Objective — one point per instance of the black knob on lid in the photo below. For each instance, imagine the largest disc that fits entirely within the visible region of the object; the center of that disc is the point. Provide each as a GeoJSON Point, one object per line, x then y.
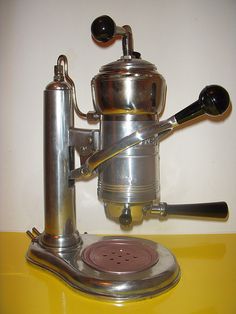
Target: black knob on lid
{"type": "Point", "coordinates": [103, 28]}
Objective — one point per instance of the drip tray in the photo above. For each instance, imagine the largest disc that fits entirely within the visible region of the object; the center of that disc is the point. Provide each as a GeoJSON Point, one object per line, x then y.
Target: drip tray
{"type": "Point", "coordinates": [120, 256]}
{"type": "Point", "coordinates": [118, 268]}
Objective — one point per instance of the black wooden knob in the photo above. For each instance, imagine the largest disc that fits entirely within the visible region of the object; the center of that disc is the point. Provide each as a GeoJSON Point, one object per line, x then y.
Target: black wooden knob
{"type": "Point", "coordinates": [213, 100]}
{"type": "Point", "coordinates": [103, 28]}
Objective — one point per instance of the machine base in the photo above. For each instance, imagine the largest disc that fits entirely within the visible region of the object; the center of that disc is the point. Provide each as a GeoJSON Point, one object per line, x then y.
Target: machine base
{"type": "Point", "coordinates": [73, 266]}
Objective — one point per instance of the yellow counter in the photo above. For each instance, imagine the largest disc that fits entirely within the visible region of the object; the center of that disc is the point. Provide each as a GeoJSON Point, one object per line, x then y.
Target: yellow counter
{"type": "Point", "coordinates": [207, 285]}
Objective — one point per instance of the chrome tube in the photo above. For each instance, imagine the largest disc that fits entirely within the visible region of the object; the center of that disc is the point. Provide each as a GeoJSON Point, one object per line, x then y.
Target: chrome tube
{"type": "Point", "coordinates": [59, 195]}
{"type": "Point", "coordinates": [127, 41]}
{"type": "Point", "coordinates": [62, 59]}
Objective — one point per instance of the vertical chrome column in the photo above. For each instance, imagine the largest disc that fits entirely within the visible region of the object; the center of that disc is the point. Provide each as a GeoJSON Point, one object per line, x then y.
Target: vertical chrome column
{"type": "Point", "coordinates": [59, 195]}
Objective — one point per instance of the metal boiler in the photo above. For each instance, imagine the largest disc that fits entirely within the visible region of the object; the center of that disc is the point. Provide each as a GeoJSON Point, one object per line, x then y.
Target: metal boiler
{"type": "Point", "coordinates": [128, 97]}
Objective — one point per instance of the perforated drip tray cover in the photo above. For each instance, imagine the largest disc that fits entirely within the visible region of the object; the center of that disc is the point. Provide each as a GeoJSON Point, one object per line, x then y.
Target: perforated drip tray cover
{"type": "Point", "coordinates": [120, 256]}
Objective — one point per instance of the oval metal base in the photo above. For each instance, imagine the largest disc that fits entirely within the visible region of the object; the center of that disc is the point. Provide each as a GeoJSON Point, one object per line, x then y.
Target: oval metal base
{"type": "Point", "coordinates": [140, 283]}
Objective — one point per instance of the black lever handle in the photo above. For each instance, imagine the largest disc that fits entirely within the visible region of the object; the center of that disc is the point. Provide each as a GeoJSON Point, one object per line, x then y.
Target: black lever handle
{"type": "Point", "coordinates": [213, 100]}
{"type": "Point", "coordinates": [210, 210]}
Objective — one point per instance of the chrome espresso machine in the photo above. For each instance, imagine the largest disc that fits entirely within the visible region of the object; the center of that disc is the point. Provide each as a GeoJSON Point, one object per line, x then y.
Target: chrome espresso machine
{"type": "Point", "coordinates": [128, 97]}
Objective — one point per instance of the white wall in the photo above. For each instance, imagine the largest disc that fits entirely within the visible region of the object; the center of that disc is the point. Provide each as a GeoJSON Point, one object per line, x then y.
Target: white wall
{"type": "Point", "coordinates": [193, 44]}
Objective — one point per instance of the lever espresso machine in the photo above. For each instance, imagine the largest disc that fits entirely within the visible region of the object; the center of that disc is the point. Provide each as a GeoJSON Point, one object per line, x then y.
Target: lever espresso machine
{"type": "Point", "coordinates": [128, 97]}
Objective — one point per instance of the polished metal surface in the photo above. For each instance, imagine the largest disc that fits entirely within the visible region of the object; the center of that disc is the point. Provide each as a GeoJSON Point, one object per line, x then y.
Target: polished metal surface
{"type": "Point", "coordinates": [90, 116]}
{"type": "Point", "coordinates": [128, 96]}
{"type": "Point", "coordinates": [59, 191]}
{"type": "Point", "coordinates": [131, 177]}
{"type": "Point", "coordinates": [127, 41]}
{"type": "Point", "coordinates": [85, 142]}
{"type": "Point", "coordinates": [161, 129]}
{"type": "Point", "coordinates": [128, 86]}
{"type": "Point", "coordinates": [69, 266]}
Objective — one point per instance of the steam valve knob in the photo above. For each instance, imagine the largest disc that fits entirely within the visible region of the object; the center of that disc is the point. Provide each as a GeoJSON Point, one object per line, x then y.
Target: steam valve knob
{"type": "Point", "coordinates": [103, 28]}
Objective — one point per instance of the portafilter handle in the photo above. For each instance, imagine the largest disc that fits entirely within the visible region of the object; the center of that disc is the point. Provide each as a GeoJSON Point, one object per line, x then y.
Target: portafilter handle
{"type": "Point", "coordinates": [204, 210]}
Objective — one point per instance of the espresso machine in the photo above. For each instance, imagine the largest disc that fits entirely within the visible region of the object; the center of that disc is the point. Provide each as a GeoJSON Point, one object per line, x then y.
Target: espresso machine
{"type": "Point", "coordinates": [128, 97]}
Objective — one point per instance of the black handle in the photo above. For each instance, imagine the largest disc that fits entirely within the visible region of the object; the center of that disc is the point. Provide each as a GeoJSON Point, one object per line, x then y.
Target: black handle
{"type": "Point", "coordinates": [213, 100]}
{"type": "Point", "coordinates": [103, 28]}
{"type": "Point", "coordinates": [211, 210]}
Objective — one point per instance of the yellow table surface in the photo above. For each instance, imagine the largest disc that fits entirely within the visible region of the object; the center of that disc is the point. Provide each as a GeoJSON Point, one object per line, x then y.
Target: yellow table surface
{"type": "Point", "coordinates": [207, 285]}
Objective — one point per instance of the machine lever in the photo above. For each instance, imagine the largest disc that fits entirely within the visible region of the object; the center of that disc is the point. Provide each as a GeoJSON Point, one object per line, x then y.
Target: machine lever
{"type": "Point", "coordinates": [213, 100]}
